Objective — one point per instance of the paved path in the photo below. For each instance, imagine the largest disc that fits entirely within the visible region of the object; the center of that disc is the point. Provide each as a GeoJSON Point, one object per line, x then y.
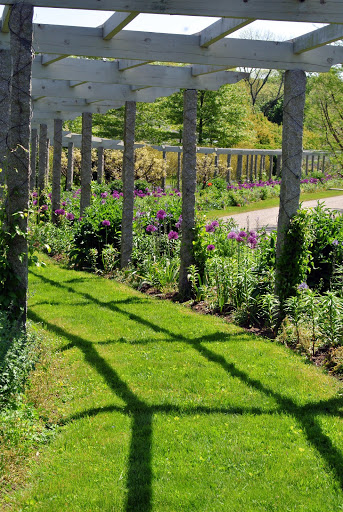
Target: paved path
{"type": "Point", "coordinates": [268, 217]}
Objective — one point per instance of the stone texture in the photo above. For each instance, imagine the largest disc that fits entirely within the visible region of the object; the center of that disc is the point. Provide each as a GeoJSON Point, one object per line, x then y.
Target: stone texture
{"type": "Point", "coordinates": [33, 158]}
{"type": "Point", "coordinates": [56, 171]}
{"type": "Point", "coordinates": [292, 136]}
{"type": "Point", "coordinates": [43, 156]}
{"type": "Point", "coordinates": [5, 91]}
{"type": "Point", "coordinates": [18, 177]}
{"type": "Point", "coordinates": [86, 162]}
{"type": "Point", "coordinates": [70, 167]}
{"type": "Point", "coordinates": [101, 163]}
{"type": "Point", "coordinates": [128, 183]}
{"type": "Point", "coordinates": [188, 190]}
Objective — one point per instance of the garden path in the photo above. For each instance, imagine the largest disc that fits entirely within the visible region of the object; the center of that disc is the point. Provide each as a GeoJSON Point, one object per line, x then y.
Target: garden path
{"type": "Point", "coordinates": [268, 217]}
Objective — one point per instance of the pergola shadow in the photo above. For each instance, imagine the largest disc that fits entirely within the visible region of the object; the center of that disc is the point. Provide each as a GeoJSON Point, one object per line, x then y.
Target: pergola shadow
{"type": "Point", "coordinates": [139, 480]}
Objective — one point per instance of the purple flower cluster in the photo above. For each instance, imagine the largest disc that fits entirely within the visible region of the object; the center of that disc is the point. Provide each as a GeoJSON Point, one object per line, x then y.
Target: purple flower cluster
{"type": "Point", "coordinates": [151, 228]}
{"type": "Point", "coordinates": [173, 235]}
{"type": "Point", "coordinates": [105, 223]}
{"type": "Point", "coordinates": [179, 222]}
{"type": "Point", "coordinates": [60, 211]}
{"type": "Point", "coordinates": [210, 228]}
{"type": "Point", "coordinates": [250, 238]}
{"type": "Point", "coordinates": [210, 247]}
{"type": "Point", "coordinates": [161, 214]}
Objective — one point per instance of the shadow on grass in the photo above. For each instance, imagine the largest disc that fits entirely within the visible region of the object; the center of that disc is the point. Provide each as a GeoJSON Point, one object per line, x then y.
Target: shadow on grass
{"type": "Point", "coordinates": [139, 481]}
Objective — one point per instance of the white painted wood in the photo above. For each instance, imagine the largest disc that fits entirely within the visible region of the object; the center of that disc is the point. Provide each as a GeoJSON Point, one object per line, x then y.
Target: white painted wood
{"type": "Point", "coordinates": [75, 83]}
{"type": "Point", "coordinates": [315, 11]}
{"type": "Point", "coordinates": [50, 59]}
{"type": "Point", "coordinates": [220, 29]}
{"type": "Point", "coordinates": [206, 70]}
{"type": "Point", "coordinates": [96, 92]}
{"type": "Point", "coordinates": [181, 48]}
{"type": "Point", "coordinates": [129, 64]}
{"type": "Point", "coordinates": [116, 23]}
{"type": "Point", "coordinates": [5, 18]}
{"type": "Point", "coordinates": [83, 70]}
{"type": "Point", "coordinates": [317, 38]}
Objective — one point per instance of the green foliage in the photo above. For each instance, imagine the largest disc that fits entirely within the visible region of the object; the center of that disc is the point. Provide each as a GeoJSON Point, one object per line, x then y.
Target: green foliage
{"type": "Point", "coordinates": [18, 353]}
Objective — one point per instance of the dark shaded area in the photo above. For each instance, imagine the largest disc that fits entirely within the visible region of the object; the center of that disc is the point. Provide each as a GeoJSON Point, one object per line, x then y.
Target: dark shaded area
{"type": "Point", "coordinates": [139, 481]}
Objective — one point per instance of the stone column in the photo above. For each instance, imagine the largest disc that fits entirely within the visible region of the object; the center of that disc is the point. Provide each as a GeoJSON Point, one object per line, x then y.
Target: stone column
{"type": "Point", "coordinates": [292, 136]}
{"type": "Point", "coordinates": [5, 91]}
{"type": "Point", "coordinates": [56, 171]}
{"type": "Point", "coordinates": [312, 163]}
{"type": "Point", "coordinates": [271, 166]}
{"type": "Point", "coordinates": [247, 168]}
{"type": "Point", "coordinates": [47, 169]}
{"type": "Point", "coordinates": [164, 171]}
{"type": "Point", "coordinates": [179, 157]}
{"type": "Point", "coordinates": [216, 167]}
{"type": "Point", "coordinates": [86, 162]}
{"type": "Point", "coordinates": [278, 166]}
{"type": "Point", "coordinates": [188, 189]}
{"type": "Point", "coordinates": [255, 167]}
{"type": "Point", "coordinates": [323, 164]}
{"type": "Point", "coordinates": [306, 165]}
{"type": "Point", "coordinates": [318, 163]}
{"type": "Point", "coordinates": [261, 167]}
{"type": "Point", "coordinates": [239, 169]}
{"type": "Point", "coordinates": [228, 173]}
{"type": "Point", "coordinates": [42, 164]}
{"type": "Point", "coordinates": [70, 167]}
{"type": "Point", "coordinates": [18, 177]}
{"type": "Point", "coordinates": [251, 176]}
{"type": "Point", "coordinates": [128, 183]}
{"type": "Point", "coordinates": [33, 158]}
{"type": "Point", "coordinates": [101, 163]}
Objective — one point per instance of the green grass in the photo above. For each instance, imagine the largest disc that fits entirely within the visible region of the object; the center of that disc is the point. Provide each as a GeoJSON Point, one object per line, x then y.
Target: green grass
{"type": "Point", "coordinates": [269, 203]}
{"type": "Point", "coordinates": [164, 410]}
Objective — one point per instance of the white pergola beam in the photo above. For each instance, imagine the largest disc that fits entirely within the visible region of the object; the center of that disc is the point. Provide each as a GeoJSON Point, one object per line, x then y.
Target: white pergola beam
{"type": "Point", "coordinates": [82, 71]}
{"type": "Point", "coordinates": [314, 11]}
{"type": "Point", "coordinates": [220, 29]}
{"type": "Point", "coordinates": [46, 60]}
{"type": "Point", "coordinates": [125, 64]}
{"type": "Point", "coordinates": [116, 23]}
{"type": "Point", "coordinates": [317, 38]}
{"type": "Point", "coordinates": [181, 48]}
{"type": "Point", "coordinates": [5, 19]}
{"type": "Point", "coordinates": [96, 92]}
{"type": "Point", "coordinates": [206, 70]}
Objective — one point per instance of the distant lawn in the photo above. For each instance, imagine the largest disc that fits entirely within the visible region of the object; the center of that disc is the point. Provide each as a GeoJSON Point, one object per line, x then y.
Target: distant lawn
{"type": "Point", "coordinates": [269, 203]}
{"type": "Point", "coordinates": [164, 410]}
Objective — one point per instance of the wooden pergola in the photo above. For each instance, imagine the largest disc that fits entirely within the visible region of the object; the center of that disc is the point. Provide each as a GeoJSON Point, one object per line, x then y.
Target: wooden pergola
{"type": "Point", "coordinates": [51, 74]}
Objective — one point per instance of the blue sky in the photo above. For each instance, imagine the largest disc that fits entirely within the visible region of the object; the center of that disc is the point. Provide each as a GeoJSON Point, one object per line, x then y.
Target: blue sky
{"type": "Point", "coordinates": [165, 23]}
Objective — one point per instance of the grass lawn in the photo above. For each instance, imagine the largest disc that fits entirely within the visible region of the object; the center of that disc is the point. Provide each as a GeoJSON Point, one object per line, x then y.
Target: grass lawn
{"type": "Point", "coordinates": [164, 410]}
{"type": "Point", "coordinates": [269, 203]}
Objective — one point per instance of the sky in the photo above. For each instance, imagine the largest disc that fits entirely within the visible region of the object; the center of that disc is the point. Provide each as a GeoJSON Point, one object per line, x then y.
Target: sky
{"type": "Point", "coordinates": [276, 30]}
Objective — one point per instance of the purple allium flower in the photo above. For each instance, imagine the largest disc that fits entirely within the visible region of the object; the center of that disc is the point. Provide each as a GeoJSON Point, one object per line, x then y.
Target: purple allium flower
{"type": "Point", "coordinates": [60, 211]}
{"type": "Point", "coordinates": [232, 235]}
{"type": "Point", "coordinates": [240, 239]}
{"type": "Point", "coordinates": [335, 242]}
{"type": "Point", "coordinates": [34, 194]}
{"type": "Point", "coordinates": [35, 202]}
{"type": "Point", "coordinates": [150, 228]}
{"type": "Point", "coordinates": [103, 201]}
{"type": "Point", "coordinates": [215, 224]}
{"type": "Point", "coordinates": [104, 194]}
{"type": "Point", "coordinates": [106, 223]}
{"type": "Point", "coordinates": [242, 234]}
{"type": "Point", "coordinates": [64, 203]}
{"type": "Point", "coordinates": [210, 247]}
{"type": "Point", "coordinates": [253, 233]}
{"type": "Point", "coordinates": [173, 235]}
{"type": "Point", "coordinates": [49, 196]}
{"type": "Point", "coordinates": [70, 216]}
{"type": "Point", "coordinates": [303, 286]}
{"type": "Point", "coordinates": [209, 228]}
{"type": "Point", "coordinates": [161, 214]}
{"type": "Point", "coordinates": [44, 207]}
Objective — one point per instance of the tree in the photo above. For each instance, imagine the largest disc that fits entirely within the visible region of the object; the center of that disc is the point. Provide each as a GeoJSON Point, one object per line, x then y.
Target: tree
{"type": "Point", "coordinates": [324, 109]}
